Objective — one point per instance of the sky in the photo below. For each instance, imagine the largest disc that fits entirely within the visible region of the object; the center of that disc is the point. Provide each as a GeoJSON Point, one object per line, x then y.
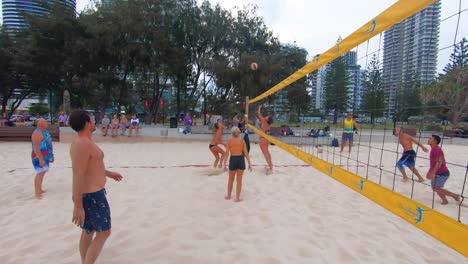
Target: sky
{"type": "Point", "coordinates": [316, 24]}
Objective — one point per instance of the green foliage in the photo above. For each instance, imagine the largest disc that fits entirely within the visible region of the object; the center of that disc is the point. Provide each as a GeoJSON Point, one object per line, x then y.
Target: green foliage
{"type": "Point", "coordinates": [450, 90]}
{"type": "Point", "coordinates": [131, 51]}
{"type": "Point", "coordinates": [373, 103]}
{"type": "Point", "coordinates": [336, 88]}
{"type": "Point", "coordinates": [293, 118]}
{"type": "Point", "coordinates": [38, 109]}
{"type": "Point", "coordinates": [409, 102]}
{"type": "Point", "coordinates": [434, 127]}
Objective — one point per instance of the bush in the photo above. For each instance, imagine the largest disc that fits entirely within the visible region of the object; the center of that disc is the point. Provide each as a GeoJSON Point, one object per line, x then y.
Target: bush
{"type": "Point", "coordinates": [434, 127]}
{"type": "Point", "coordinates": [293, 118]}
{"type": "Point", "coordinates": [38, 109]}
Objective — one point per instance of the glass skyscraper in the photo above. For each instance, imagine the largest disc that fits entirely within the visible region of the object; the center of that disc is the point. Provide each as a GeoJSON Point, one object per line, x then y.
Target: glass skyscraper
{"type": "Point", "coordinates": [14, 11]}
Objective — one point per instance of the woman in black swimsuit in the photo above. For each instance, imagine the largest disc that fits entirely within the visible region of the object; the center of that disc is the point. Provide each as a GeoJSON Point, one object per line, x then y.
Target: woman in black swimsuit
{"type": "Point", "coordinates": [238, 150]}
{"type": "Point", "coordinates": [218, 152]}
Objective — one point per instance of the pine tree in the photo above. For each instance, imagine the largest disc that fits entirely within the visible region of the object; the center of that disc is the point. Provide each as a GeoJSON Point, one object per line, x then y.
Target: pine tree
{"type": "Point", "coordinates": [409, 97]}
{"type": "Point", "coordinates": [373, 101]}
{"type": "Point", "coordinates": [459, 57]}
{"type": "Point", "coordinates": [336, 88]}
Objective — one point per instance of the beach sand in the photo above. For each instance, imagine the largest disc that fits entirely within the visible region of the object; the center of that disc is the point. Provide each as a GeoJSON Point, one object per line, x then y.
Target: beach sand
{"type": "Point", "coordinates": [169, 209]}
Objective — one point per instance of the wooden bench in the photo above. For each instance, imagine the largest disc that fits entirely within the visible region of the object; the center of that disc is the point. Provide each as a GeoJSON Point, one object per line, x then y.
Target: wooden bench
{"type": "Point", "coordinates": [23, 133]}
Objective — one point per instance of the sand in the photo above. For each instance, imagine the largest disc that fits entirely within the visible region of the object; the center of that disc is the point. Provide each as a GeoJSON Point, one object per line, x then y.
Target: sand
{"type": "Point", "coordinates": [169, 210]}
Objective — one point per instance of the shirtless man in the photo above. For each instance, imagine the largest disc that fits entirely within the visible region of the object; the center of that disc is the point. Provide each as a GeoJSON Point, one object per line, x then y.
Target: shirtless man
{"type": "Point", "coordinates": [409, 155]}
{"type": "Point", "coordinates": [91, 211]}
{"type": "Point", "coordinates": [265, 125]}
{"type": "Point", "coordinates": [217, 151]}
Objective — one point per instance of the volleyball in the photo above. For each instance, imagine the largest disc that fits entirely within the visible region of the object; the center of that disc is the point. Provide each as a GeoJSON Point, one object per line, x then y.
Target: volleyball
{"type": "Point", "coordinates": [253, 66]}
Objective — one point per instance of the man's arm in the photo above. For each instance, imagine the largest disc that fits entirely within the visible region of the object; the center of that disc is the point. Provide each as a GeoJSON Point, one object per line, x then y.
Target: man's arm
{"type": "Point", "coordinates": [419, 144]}
{"type": "Point", "coordinates": [36, 140]}
{"type": "Point", "coordinates": [80, 155]}
{"type": "Point", "coordinates": [114, 175]}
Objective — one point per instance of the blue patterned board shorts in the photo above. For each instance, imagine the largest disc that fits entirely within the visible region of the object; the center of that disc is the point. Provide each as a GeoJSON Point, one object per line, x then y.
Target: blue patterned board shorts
{"type": "Point", "coordinates": [408, 159]}
{"type": "Point", "coordinates": [38, 168]}
{"type": "Point", "coordinates": [97, 212]}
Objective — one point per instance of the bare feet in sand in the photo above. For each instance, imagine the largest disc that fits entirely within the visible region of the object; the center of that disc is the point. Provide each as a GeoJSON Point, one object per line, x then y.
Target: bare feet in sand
{"type": "Point", "coordinates": [269, 171]}
{"type": "Point", "coordinates": [227, 197]}
{"type": "Point", "coordinates": [405, 179]}
{"type": "Point", "coordinates": [444, 202]}
{"type": "Point", "coordinates": [238, 200]}
{"type": "Point", "coordinates": [421, 180]}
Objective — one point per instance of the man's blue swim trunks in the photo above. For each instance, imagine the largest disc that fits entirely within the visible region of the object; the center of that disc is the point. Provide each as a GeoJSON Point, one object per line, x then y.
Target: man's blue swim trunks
{"type": "Point", "coordinates": [97, 212]}
{"type": "Point", "coordinates": [408, 159]}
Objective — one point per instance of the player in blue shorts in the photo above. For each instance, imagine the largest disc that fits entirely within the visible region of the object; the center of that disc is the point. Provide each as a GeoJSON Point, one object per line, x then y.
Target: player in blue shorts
{"type": "Point", "coordinates": [91, 211]}
{"type": "Point", "coordinates": [408, 158]}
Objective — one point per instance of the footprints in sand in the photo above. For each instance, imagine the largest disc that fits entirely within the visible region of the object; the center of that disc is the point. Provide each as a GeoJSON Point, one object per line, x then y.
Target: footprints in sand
{"type": "Point", "coordinates": [201, 236]}
{"type": "Point", "coordinates": [271, 260]}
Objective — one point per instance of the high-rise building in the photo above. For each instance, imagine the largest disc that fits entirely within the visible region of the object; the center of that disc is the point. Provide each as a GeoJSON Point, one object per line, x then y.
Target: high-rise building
{"type": "Point", "coordinates": [410, 49]}
{"type": "Point", "coordinates": [317, 84]}
{"type": "Point", "coordinates": [14, 11]}
{"type": "Point", "coordinates": [354, 81]}
{"type": "Point", "coordinates": [355, 92]}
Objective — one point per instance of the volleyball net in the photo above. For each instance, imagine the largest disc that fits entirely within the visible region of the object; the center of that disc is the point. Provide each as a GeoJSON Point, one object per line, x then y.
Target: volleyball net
{"type": "Point", "coordinates": [308, 108]}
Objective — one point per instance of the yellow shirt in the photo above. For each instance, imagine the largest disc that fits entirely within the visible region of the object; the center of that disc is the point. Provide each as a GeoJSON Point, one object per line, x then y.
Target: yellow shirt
{"type": "Point", "coordinates": [348, 126]}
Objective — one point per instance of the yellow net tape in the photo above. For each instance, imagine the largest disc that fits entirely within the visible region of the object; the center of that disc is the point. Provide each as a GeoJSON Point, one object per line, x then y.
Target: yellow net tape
{"type": "Point", "coordinates": [450, 232]}
{"type": "Point", "coordinates": [393, 15]}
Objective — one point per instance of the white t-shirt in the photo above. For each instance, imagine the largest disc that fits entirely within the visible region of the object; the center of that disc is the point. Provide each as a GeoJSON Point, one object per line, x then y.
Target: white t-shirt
{"type": "Point", "coordinates": [134, 122]}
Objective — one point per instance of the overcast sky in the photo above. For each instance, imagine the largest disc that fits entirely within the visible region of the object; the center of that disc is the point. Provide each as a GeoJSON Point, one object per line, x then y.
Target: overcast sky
{"type": "Point", "coordinates": [316, 24]}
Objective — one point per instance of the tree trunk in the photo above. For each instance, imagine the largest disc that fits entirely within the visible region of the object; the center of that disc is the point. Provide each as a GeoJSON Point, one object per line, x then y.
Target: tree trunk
{"type": "Point", "coordinates": [335, 116]}
{"type": "Point", "coordinates": [178, 99]}
{"type": "Point", "coordinates": [122, 89]}
{"type": "Point", "coordinates": [4, 104]}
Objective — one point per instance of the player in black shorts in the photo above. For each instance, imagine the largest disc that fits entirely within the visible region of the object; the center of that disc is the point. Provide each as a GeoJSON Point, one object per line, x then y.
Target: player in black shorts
{"type": "Point", "coordinates": [237, 149]}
